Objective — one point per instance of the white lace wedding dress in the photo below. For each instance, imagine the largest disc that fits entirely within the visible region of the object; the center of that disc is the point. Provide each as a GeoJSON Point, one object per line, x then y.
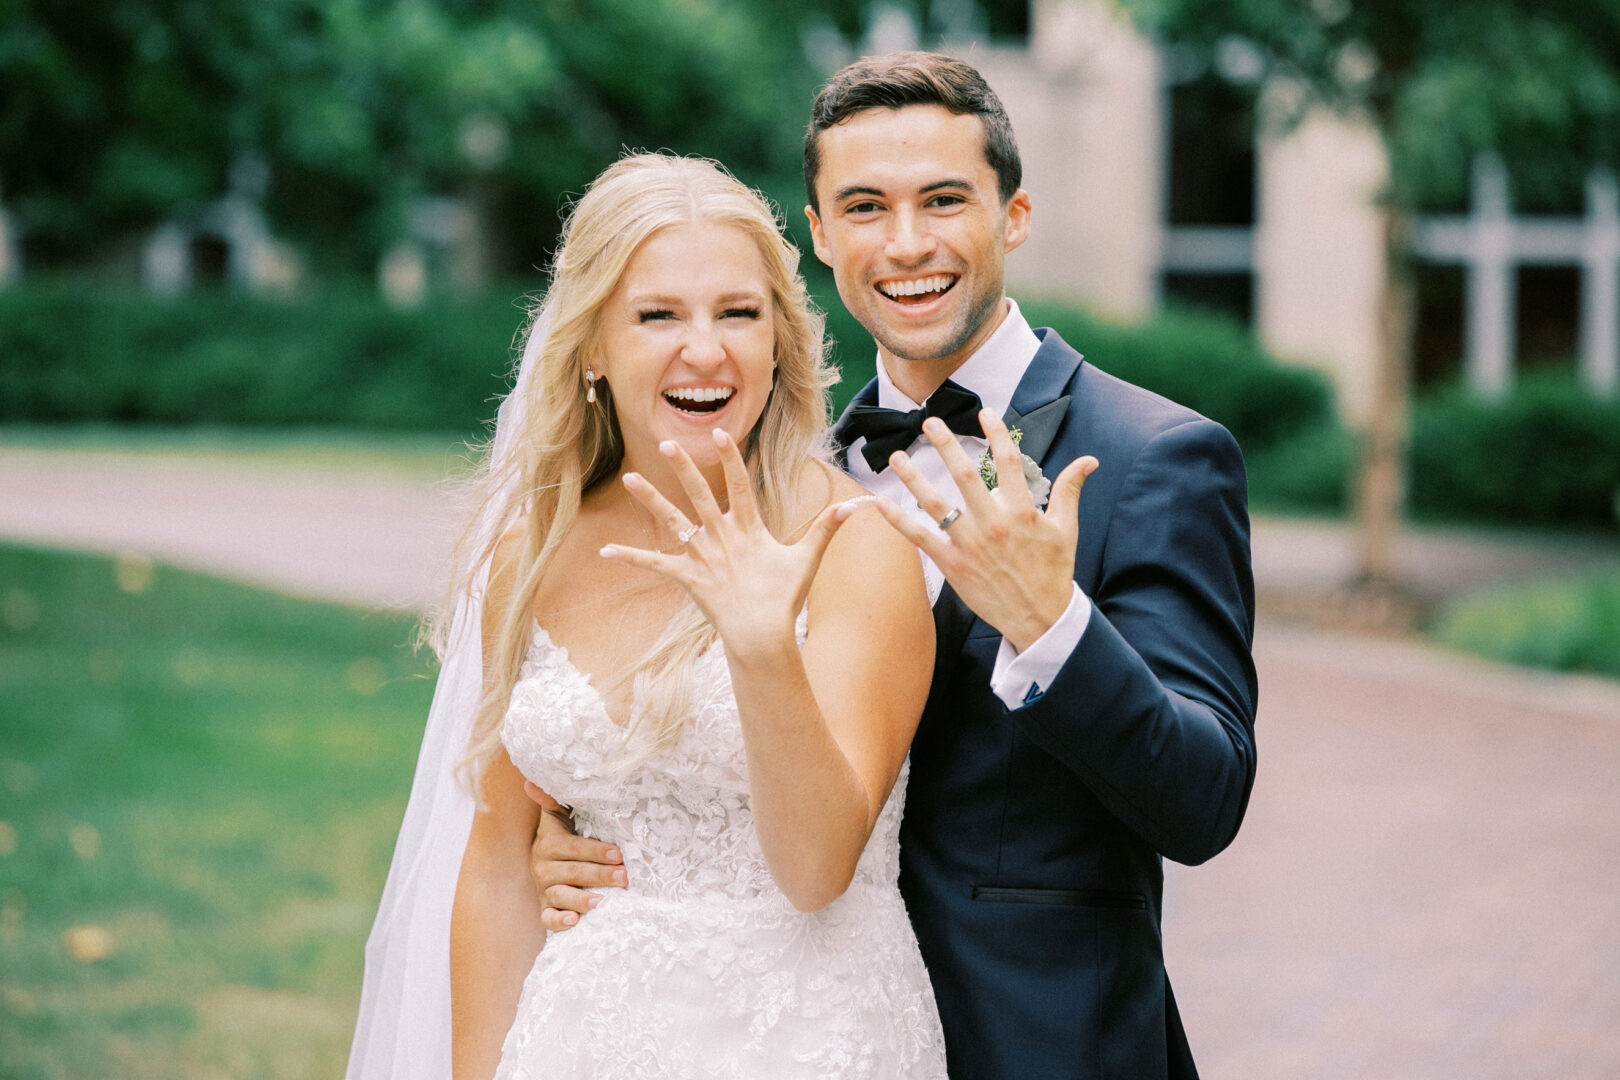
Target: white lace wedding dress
{"type": "Point", "coordinates": [702, 968]}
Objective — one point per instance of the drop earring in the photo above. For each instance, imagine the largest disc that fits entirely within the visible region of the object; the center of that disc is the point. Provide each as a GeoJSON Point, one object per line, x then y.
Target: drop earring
{"type": "Point", "coordinates": [590, 386]}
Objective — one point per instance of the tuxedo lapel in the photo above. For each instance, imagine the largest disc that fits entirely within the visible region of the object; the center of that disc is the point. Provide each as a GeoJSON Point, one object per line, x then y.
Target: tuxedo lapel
{"type": "Point", "coordinates": [1039, 428]}
{"type": "Point", "coordinates": [1039, 405]}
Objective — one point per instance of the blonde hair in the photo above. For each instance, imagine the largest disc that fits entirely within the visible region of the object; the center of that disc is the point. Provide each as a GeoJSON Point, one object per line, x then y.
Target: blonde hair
{"type": "Point", "coordinates": [561, 445]}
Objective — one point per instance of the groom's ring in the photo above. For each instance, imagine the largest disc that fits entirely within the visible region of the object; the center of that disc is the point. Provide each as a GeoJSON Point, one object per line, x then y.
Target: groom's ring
{"type": "Point", "coordinates": [686, 534]}
{"type": "Point", "coordinates": [949, 519]}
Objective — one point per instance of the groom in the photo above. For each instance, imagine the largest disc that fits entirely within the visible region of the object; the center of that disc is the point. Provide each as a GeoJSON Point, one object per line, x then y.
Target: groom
{"type": "Point", "coordinates": [1092, 708]}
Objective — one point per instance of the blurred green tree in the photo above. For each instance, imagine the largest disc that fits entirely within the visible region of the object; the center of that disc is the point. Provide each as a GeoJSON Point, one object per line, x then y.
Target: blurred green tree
{"type": "Point", "coordinates": [115, 114]}
{"type": "Point", "coordinates": [1536, 82]}
{"type": "Point", "coordinates": [123, 113]}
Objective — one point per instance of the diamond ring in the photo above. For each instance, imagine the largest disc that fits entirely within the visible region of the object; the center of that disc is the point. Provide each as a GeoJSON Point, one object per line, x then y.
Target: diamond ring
{"type": "Point", "coordinates": [687, 533]}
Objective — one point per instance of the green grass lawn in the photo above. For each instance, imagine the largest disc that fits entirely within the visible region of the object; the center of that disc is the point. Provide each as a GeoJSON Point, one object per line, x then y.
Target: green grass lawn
{"type": "Point", "coordinates": [199, 789]}
{"type": "Point", "coordinates": [1567, 625]}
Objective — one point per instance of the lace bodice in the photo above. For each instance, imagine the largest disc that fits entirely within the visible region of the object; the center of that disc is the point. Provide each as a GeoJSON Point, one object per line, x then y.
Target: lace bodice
{"type": "Point", "coordinates": [701, 968]}
{"type": "Point", "coordinates": [682, 817]}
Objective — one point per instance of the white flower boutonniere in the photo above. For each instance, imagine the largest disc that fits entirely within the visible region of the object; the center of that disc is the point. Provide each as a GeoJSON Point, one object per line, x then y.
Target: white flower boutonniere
{"type": "Point", "coordinates": [1039, 486]}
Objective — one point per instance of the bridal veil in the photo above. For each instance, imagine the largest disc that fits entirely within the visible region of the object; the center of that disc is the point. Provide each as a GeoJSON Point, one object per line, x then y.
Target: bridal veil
{"type": "Point", "coordinates": [403, 1030]}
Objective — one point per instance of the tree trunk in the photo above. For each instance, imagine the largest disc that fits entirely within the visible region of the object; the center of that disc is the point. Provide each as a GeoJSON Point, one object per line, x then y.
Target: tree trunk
{"type": "Point", "coordinates": [1381, 484]}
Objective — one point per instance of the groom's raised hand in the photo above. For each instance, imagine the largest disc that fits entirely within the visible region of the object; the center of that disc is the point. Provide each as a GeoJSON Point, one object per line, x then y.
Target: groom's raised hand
{"type": "Point", "coordinates": [564, 865]}
{"type": "Point", "coordinates": [1008, 561]}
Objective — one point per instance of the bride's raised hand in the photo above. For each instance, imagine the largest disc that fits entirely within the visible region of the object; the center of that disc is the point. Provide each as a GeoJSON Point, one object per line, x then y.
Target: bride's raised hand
{"type": "Point", "coordinates": [748, 584]}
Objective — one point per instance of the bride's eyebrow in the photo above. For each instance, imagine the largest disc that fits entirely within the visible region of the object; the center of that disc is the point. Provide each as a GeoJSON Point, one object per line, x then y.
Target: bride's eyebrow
{"type": "Point", "coordinates": [742, 296]}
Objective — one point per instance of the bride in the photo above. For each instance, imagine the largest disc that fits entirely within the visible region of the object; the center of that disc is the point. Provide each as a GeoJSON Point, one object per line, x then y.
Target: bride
{"type": "Point", "coordinates": [685, 629]}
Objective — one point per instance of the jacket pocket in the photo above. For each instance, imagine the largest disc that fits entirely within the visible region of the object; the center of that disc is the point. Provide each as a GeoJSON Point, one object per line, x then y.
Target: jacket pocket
{"type": "Point", "coordinates": [1092, 898]}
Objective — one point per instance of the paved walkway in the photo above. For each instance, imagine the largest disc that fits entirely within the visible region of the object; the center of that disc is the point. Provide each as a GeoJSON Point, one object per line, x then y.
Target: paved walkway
{"type": "Point", "coordinates": [1426, 883]}
{"type": "Point", "coordinates": [361, 538]}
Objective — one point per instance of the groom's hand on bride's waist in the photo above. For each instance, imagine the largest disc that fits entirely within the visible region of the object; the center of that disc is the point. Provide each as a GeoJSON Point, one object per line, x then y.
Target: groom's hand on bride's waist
{"type": "Point", "coordinates": [566, 866]}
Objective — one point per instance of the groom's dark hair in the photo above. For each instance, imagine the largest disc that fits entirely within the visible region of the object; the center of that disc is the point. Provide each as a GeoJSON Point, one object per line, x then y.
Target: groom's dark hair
{"type": "Point", "coordinates": [914, 78]}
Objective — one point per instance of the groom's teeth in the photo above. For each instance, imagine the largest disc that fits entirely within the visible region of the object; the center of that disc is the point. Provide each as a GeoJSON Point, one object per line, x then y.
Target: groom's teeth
{"type": "Point", "coordinates": [937, 283]}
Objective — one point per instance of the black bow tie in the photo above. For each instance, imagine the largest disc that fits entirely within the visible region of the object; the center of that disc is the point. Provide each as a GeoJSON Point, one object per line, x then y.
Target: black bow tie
{"type": "Point", "coordinates": [888, 430]}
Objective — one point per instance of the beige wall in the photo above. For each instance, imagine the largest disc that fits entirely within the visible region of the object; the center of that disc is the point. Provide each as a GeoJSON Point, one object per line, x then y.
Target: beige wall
{"type": "Point", "coordinates": [1084, 101]}
{"type": "Point", "coordinates": [1319, 252]}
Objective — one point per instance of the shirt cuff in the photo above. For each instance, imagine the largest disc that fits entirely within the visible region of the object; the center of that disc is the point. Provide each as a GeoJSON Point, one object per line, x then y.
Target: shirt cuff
{"type": "Point", "coordinates": [1022, 677]}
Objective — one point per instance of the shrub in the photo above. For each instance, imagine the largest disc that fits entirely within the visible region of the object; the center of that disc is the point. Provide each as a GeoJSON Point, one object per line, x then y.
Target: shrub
{"type": "Point", "coordinates": [1309, 470]}
{"type": "Point", "coordinates": [1566, 625]}
{"type": "Point", "coordinates": [73, 351]}
{"type": "Point", "coordinates": [1548, 453]}
{"type": "Point", "coordinates": [1209, 364]}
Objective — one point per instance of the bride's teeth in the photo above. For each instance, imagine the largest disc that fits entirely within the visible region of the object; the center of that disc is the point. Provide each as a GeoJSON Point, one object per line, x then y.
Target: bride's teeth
{"type": "Point", "coordinates": [707, 393]}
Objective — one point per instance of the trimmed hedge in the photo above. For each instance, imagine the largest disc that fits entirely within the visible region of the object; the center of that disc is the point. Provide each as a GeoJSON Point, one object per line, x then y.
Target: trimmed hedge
{"type": "Point", "coordinates": [1207, 363]}
{"type": "Point", "coordinates": [1309, 471]}
{"type": "Point", "coordinates": [72, 351]}
{"type": "Point", "coordinates": [1548, 453]}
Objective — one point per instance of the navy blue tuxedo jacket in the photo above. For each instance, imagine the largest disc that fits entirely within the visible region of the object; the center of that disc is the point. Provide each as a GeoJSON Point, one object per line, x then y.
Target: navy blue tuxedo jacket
{"type": "Point", "coordinates": [1031, 844]}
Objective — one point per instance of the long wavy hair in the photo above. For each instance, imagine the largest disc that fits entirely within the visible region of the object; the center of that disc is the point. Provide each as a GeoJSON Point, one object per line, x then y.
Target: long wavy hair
{"type": "Point", "coordinates": [560, 445]}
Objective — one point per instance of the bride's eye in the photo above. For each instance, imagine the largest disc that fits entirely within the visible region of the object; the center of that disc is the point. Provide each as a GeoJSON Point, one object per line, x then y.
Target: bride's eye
{"type": "Point", "coordinates": [656, 315]}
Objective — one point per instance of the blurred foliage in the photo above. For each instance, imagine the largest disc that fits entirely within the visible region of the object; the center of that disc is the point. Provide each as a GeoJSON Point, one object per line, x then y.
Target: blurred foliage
{"type": "Point", "coordinates": [1536, 81]}
{"type": "Point", "coordinates": [200, 786]}
{"type": "Point", "coordinates": [1206, 362]}
{"type": "Point", "coordinates": [1308, 471]}
{"type": "Point", "coordinates": [1566, 625]}
{"type": "Point", "coordinates": [116, 116]}
{"type": "Point", "coordinates": [1547, 453]}
{"type": "Point", "coordinates": [77, 352]}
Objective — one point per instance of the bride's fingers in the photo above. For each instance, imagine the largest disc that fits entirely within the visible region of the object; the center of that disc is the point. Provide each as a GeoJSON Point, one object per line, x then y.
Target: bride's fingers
{"type": "Point", "coordinates": [692, 482]}
{"type": "Point", "coordinates": [663, 511]}
{"type": "Point", "coordinates": [739, 491]}
{"type": "Point", "coordinates": [815, 540]}
{"type": "Point", "coordinates": [656, 561]}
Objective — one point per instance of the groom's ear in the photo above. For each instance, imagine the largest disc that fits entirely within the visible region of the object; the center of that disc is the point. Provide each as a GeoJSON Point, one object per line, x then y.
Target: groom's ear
{"type": "Point", "coordinates": [818, 236]}
{"type": "Point", "coordinates": [1016, 220]}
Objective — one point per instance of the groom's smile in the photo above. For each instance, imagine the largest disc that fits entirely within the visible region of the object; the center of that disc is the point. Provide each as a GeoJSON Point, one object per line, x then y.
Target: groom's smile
{"type": "Point", "coordinates": [909, 293]}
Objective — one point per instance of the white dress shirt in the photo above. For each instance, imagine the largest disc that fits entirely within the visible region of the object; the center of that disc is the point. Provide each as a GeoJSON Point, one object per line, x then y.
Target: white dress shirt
{"type": "Point", "coordinates": [993, 372]}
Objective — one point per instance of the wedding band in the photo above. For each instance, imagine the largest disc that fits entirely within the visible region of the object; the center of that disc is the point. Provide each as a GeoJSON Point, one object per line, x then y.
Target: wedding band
{"type": "Point", "coordinates": [687, 533]}
{"type": "Point", "coordinates": [949, 519]}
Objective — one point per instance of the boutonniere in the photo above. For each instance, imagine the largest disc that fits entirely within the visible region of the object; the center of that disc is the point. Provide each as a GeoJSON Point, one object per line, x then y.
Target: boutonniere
{"type": "Point", "coordinates": [1039, 486]}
